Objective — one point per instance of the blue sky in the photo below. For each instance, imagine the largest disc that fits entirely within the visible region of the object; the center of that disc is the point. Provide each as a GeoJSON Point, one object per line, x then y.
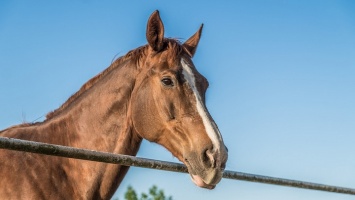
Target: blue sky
{"type": "Point", "coordinates": [281, 73]}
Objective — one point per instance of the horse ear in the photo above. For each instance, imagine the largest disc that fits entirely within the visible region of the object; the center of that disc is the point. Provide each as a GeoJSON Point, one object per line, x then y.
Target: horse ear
{"type": "Point", "coordinates": [191, 44]}
{"type": "Point", "coordinates": [155, 32]}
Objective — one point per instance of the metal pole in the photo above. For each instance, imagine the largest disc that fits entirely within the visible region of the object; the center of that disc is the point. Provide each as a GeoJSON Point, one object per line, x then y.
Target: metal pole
{"type": "Point", "coordinates": [84, 154]}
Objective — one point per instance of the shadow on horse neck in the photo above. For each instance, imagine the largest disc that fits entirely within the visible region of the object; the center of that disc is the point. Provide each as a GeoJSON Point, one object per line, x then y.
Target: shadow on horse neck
{"type": "Point", "coordinates": [154, 92]}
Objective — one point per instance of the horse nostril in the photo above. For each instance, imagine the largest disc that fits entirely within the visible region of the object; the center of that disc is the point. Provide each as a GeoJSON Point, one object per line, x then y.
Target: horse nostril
{"type": "Point", "coordinates": [209, 154]}
{"type": "Point", "coordinates": [223, 166]}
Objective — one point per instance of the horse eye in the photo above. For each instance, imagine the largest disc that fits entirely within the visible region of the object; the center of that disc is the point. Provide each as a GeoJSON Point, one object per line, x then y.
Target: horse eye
{"type": "Point", "coordinates": [167, 82]}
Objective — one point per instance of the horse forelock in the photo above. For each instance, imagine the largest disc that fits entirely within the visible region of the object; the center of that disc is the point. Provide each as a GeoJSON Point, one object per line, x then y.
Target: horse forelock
{"type": "Point", "coordinates": [173, 48]}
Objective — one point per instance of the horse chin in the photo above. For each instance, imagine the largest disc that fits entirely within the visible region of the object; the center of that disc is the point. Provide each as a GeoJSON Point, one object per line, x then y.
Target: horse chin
{"type": "Point", "coordinates": [201, 183]}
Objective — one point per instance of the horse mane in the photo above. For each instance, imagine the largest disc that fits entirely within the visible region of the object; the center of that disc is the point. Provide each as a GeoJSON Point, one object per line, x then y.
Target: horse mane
{"type": "Point", "coordinates": [136, 56]}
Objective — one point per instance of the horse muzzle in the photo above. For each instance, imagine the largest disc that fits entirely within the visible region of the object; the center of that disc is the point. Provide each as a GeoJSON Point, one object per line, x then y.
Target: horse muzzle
{"type": "Point", "coordinates": [207, 169]}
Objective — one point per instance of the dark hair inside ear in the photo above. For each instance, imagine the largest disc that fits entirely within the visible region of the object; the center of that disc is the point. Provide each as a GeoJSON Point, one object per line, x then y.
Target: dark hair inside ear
{"type": "Point", "coordinates": [155, 32]}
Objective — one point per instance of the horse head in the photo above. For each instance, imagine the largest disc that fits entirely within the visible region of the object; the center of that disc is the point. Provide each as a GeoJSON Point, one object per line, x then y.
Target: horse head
{"type": "Point", "coordinates": [168, 105]}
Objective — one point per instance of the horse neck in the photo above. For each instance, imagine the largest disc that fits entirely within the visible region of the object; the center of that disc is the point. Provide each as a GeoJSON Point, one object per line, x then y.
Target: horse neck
{"type": "Point", "coordinates": [99, 120]}
{"type": "Point", "coordinates": [97, 116]}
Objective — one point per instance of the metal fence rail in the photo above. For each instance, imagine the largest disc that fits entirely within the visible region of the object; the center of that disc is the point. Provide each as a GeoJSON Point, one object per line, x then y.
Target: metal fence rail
{"type": "Point", "coordinates": [84, 154]}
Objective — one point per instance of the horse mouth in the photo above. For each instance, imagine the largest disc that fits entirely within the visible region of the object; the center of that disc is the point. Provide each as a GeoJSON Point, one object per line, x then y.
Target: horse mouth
{"type": "Point", "coordinates": [201, 183]}
{"type": "Point", "coordinates": [204, 178]}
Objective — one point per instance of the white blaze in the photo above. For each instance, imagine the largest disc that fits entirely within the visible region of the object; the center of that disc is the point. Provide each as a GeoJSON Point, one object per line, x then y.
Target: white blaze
{"type": "Point", "coordinates": [211, 129]}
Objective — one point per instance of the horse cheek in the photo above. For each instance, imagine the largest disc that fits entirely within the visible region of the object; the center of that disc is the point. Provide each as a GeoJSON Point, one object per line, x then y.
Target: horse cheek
{"type": "Point", "coordinates": [145, 116]}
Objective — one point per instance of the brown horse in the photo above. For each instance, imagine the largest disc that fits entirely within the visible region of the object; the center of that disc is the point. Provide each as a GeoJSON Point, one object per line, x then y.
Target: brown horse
{"type": "Point", "coordinates": [154, 92]}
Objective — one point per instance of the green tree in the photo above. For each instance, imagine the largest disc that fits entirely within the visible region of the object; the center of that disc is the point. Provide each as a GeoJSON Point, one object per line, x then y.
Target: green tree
{"type": "Point", "coordinates": [130, 194]}
{"type": "Point", "coordinates": [153, 194]}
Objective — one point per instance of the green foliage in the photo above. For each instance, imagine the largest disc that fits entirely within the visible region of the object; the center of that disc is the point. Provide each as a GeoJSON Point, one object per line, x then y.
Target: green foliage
{"type": "Point", "coordinates": [130, 194]}
{"type": "Point", "coordinates": [153, 194]}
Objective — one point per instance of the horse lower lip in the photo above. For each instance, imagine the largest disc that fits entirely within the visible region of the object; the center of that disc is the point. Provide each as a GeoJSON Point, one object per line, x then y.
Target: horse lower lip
{"type": "Point", "coordinates": [200, 183]}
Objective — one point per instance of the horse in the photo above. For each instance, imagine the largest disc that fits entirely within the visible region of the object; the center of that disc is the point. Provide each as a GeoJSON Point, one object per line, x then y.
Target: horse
{"type": "Point", "coordinates": [154, 92]}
